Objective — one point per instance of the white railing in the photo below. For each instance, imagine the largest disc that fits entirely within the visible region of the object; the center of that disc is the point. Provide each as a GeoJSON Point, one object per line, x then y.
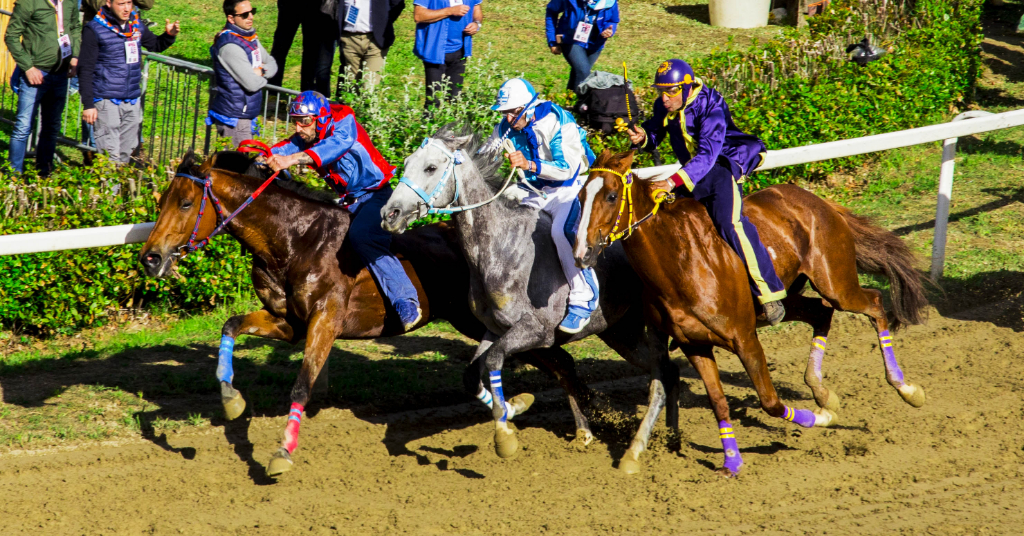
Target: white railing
{"type": "Point", "coordinates": [963, 125]}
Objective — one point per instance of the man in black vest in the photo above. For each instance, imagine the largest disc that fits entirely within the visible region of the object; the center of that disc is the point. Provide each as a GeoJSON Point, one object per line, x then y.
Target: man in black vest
{"type": "Point", "coordinates": [110, 75]}
{"type": "Point", "coordinates": [241, 67]}
{"type": "Point", "coordinates": [367, 29]}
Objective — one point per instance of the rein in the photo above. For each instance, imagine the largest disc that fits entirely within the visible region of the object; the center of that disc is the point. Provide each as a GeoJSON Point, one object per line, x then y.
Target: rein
{"type": "Point", "coordinates": [626, 206]}
{"type": "Point", "coordinates": [222, 219]}
{"type": "Point", "coordinates": [454, 159]}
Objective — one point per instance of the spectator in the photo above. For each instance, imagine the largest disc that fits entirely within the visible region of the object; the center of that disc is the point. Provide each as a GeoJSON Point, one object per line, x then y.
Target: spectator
{"type": "Point", "coordinates": [367, 31]}
{"type": "Point", "coordinates": [240, 70]}
{"type": "Point", "coordinates": [319, 39]}
{"type": "Point", "coordinates": [44, 41]}
{"type": "Point", "coordinates": [578, 29]}
{"type": "Point", "coordinates": [444, 39]}
{"type": "Point", "coordinates": [110, 82]}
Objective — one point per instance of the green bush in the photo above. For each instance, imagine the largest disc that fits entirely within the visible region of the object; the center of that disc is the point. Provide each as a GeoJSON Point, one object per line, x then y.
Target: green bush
{"type": "Point", "coordinates": [58, 292]}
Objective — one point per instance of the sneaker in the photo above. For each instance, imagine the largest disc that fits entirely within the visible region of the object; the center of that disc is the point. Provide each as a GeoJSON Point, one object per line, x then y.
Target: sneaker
{"type": "Point", "coordinates": [774, 312]}
{"type": "Point", "coordinates": [575, 321]}
{"type": "Point", "coordinates": [410, 313]}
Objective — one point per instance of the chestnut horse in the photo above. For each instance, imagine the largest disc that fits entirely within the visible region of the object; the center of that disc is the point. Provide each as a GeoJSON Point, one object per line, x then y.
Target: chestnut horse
{"type": "Point", "coordinates": [696, 286]}
{"type": "Point", "coordinates": [312, 285]}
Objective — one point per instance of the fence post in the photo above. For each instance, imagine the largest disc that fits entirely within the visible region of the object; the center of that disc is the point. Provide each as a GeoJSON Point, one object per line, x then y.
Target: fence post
{"type": "Point", "coordinates": [945, 196]}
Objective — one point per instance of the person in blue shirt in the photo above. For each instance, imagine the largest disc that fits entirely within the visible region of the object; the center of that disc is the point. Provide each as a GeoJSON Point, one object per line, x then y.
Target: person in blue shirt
{"type": "Point", "coordinates": [328, 139]}
{"type": "Point", "coordinates": [578, 30]}
{"type": "Point", "coordinates": [553, 152]}
{"type": "Point", "coordinates": [444, 39]}
{"type": "Point", "coordinates": [716, 157]}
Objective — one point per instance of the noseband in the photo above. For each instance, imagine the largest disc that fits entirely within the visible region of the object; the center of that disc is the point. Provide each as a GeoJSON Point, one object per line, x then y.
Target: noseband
{"type": "Point", "coordinates": [222, 218]}
{"type": "Point", "coordinates": [455, 158]}
{"type": "Point", "coordinates": [626, 207]}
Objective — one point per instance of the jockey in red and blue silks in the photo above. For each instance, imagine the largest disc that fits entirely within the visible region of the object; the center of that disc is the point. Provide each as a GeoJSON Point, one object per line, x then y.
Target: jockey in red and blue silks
{"type": "Point", "coordinates": [716, 157]}
{"type": "Point", "coordinates": [328, 139]}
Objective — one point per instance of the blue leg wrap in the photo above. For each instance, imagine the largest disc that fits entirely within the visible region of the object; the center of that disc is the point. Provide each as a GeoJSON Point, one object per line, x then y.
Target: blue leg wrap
{"type": "Point", "coordinates": [499, 395]}
{"type": "Point", "coordinates": [225, 372]}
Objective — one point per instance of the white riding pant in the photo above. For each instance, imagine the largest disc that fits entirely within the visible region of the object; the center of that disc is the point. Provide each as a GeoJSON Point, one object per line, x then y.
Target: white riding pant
{"type": "Point", "coordinates": [583, 289]}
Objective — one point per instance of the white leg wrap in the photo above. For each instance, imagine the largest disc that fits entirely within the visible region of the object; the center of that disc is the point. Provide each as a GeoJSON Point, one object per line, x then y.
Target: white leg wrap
{"type": "Point", "coordinates": [485, 396]}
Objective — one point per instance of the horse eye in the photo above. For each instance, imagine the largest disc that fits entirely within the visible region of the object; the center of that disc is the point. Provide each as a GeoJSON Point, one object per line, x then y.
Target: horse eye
{"type": "Point", "coordinates": [612, 196]}
{"type": "Point", "coordinates": [186, 204]}
{"type": "Point", "coordinates": [431, 168]}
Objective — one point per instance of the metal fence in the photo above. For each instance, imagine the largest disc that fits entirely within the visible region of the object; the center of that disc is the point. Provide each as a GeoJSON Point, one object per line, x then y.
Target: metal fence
{"type": "Point", "coordinates": [175, 96]}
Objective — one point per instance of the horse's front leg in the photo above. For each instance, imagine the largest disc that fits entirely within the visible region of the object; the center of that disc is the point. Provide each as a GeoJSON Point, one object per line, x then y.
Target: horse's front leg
{"type": "Point", "coordinates": [522, 337]}
{"type": "Point", "coordinates": [260, 323]}
{"type": "Point", "coordinates": [320, 337]}
{"type": "Point", "coordinates": [474, 385]}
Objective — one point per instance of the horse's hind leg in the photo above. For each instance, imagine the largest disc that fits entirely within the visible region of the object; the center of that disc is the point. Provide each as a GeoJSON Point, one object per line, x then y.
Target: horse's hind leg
{"type": "Point", "coordinates": [703, 360]}
{"type": "Point", "coordinates": [663, 373]}
{"type": "Point", "coordinates": [559, 363]}
{"type": "Point", "coordinates": [819, 316]}
{"type": "Point", "coordinates": [260, 323]}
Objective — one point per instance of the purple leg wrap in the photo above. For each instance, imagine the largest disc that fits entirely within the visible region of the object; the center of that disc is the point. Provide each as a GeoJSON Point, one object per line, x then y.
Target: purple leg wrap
{"type": "Point", "coordinates": [803, 417]}
{"type": "Point", "coordinates": [499, 395]}
{"type": "Point", "coordinates": [817, 356]}
{"type": "Point", "coordinates": [892, 369]}
{"type": "Point", "coordinates": [733, 460]}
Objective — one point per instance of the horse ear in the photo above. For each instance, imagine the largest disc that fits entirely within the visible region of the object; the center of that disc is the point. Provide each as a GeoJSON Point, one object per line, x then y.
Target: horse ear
{"type": "Point", "coordinates": [208, 164]}
{"type": "Point", "coordinates": [458, 142]}
{"type": "Point", "coordinates": [627, 158]}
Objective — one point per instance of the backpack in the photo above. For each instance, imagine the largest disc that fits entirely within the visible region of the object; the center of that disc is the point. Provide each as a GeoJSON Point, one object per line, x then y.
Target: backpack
{"type": "Point", "coordinates": [599, 108]}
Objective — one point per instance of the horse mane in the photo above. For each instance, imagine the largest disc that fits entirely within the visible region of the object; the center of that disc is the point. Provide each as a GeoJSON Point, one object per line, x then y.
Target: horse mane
{"type": "Point", "coordinates": [484, 158]}
{"type": "Point", "coordinates": [242, 163]}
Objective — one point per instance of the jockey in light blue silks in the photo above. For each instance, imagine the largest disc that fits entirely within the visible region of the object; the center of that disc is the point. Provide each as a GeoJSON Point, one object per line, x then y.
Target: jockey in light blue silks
{"type": "Point", "coordinates": [553, 152]}
{"type": "Point", "coordinates": [328, 139]}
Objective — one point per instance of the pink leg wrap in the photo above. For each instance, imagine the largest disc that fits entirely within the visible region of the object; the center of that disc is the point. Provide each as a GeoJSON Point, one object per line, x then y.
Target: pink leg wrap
{"type": "Point", "coordinates": [291, 431]}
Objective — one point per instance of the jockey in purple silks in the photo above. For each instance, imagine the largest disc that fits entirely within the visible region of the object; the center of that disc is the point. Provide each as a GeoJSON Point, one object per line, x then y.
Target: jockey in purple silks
{"type": "Point", "coordinates": [328, 139]}
{"type": "Point", "coordinates": [716, 158]}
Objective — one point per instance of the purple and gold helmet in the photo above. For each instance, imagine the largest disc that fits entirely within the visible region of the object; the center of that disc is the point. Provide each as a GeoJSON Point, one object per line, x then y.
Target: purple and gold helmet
{"type": "Point", "coordinates": [311, 103]}
{"type": "Point", "coordinates": [674, 72]}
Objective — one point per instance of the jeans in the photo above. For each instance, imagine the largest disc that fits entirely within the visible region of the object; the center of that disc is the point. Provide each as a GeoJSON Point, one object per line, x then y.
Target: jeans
{"type": "Point", "coordinates": [453, 68]}
{"type": "Point", "coordinates": [50, 96]}
{"type": "Point", "coordinates": [580, 64]}
{"type": "Point", "coordinates": [373, 244]}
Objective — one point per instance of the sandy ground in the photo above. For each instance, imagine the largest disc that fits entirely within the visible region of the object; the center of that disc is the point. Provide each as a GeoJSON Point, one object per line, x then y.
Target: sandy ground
{"type": "Point", "coordinates": [955, 466]}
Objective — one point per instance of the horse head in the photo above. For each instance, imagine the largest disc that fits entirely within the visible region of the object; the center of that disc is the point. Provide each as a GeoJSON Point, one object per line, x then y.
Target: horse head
{"type": "Point", "coordinates": [180, 214]}
{"type": "Point", "coordinates": [428, 180]}
{"type": "Point", "coordinates": [603, 202]}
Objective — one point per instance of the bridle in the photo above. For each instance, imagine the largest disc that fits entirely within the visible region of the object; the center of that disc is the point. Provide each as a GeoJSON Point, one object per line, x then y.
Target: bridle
{"type": "Point", "coordinates": [455, 159]}
{"type": "Point", "coordinates": [626, 207]}
{"type": "Point", "coordinates": [222, 218]}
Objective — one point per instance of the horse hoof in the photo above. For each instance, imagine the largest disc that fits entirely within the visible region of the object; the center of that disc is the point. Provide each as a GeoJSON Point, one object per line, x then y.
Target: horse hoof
{"type": "Point", "coordinates": [629, 466]}
{"type": "Point", "coordinates": [583, 438]}
{"type": "Point", "coordinates": [280, 462]}
{"type": "Point", "coordinates": [725, 472]}
{"type": "Point", "coordinates": [234, 406]}
{"type": "Point", "coordinates": [505, 444]}
{"type": "Point", "coordinates": [912, 394]}
{"type": "Point", "coordinates": [832, 404]}
{"type": "Point", "coordinates": [824, 418]}
{"type": "Point", "coordinates": [521, 403]}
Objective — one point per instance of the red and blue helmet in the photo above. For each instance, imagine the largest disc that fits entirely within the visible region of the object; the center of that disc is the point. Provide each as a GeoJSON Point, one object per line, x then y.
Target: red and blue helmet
{"type": "Point", "coordinates": [675, 72]}
{"type": "Point", "coordinates": [312, 103]}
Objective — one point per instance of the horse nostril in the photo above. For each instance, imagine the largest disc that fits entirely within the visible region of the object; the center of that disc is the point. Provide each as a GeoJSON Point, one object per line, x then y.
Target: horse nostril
{"type": "Point", "coordinates": [151, 260]}
{"type": "Point", "coordinates": [392, 216]}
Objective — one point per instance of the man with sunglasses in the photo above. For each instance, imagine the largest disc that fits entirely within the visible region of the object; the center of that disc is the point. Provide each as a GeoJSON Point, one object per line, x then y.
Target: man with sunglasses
{"type": "Point", "coordinates": [716, 158]}
{"type": "Point", "coordinates": [241, 67]}
{"type": "Point", "coordinates": [553, 152]}
{"type": "Point", "coordinates": [328, 139]}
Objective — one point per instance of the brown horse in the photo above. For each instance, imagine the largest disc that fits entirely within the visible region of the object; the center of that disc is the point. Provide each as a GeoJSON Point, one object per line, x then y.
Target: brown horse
{"type": "Point", "coordinates": [311, 283]}
{"type": "Point", "coordinates": [697, 291]}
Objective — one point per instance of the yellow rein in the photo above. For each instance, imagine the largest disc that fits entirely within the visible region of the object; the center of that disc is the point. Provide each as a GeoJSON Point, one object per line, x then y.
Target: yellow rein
{"type": "Point", "coordinates": [627, 201]}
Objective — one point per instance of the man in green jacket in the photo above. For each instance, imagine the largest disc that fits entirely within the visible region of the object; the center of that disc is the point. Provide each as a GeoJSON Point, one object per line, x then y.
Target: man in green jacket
{"type": "Point", "coordinates": [43, 38]}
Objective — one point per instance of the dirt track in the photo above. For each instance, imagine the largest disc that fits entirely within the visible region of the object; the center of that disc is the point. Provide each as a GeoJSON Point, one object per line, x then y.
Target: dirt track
{"type": "Point", "coordinates": [956, 466]}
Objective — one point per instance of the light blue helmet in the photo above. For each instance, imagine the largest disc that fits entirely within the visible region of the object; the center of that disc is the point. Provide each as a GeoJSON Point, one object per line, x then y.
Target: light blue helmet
{"type": "Point", "coordinates": [514, 93]}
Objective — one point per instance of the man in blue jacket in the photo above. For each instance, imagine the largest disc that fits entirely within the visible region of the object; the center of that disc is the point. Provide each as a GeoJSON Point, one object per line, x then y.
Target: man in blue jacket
{"type": "Point", "coordinates": [716, 158]}
{"type": "Point", "coordinates": [329, 140]}
{"type": "Point", "coordinates": [241, 67]}
{"type": "Point", "coordinates": [444, 39]}
{"type": "Point", "coordinates": [110, 75]}
{"type": "Point", "coordinates": [578, 29]}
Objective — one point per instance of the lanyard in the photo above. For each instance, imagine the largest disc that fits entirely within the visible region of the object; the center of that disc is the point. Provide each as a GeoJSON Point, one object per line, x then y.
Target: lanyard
{"type": "Point", "coordinates": [59, 6]}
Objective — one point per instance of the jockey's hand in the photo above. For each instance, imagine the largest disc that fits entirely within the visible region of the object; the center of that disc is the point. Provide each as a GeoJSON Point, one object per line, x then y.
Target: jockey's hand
{"type": "Point", "coordinates": [666, 186]}
{"type": "Point", "coordinates": [517, 159]}
{"type": "Point", "coordinates": [636, 134]}
{"type": "Point", "coordinates": [172, 28]}
{"type": "Point", "coordinates": [278, 162]}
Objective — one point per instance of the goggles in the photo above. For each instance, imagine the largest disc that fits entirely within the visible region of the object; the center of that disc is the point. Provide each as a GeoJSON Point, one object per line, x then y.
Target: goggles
{"type": "Point", "coordinates": [670, 92]}
{"type": "Point", "coordinates": [303, 120]}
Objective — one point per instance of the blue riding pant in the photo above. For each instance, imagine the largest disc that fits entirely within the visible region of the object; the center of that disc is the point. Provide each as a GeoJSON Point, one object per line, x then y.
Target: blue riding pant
{"type": "Point", "coordinates": [373, 244]}
{"type": "Point", "coordinates": [722, 196]}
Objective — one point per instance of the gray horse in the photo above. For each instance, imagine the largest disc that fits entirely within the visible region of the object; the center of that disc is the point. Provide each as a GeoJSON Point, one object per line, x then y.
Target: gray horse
{"type": "Point", "coordinates": [517, 288]}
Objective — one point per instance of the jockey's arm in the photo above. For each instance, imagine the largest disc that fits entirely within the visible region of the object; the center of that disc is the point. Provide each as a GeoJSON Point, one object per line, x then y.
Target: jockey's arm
{"type": "Point", "coordinates": [653, 130]}
{"type": "Point", "coordinates": [566, 153]}
{"type": "Point", "coordinates": [710, 137]}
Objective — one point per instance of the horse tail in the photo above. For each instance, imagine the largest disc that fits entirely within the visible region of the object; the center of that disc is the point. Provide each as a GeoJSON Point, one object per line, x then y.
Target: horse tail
{"type": "Point", "coordinates": [881, 252]}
